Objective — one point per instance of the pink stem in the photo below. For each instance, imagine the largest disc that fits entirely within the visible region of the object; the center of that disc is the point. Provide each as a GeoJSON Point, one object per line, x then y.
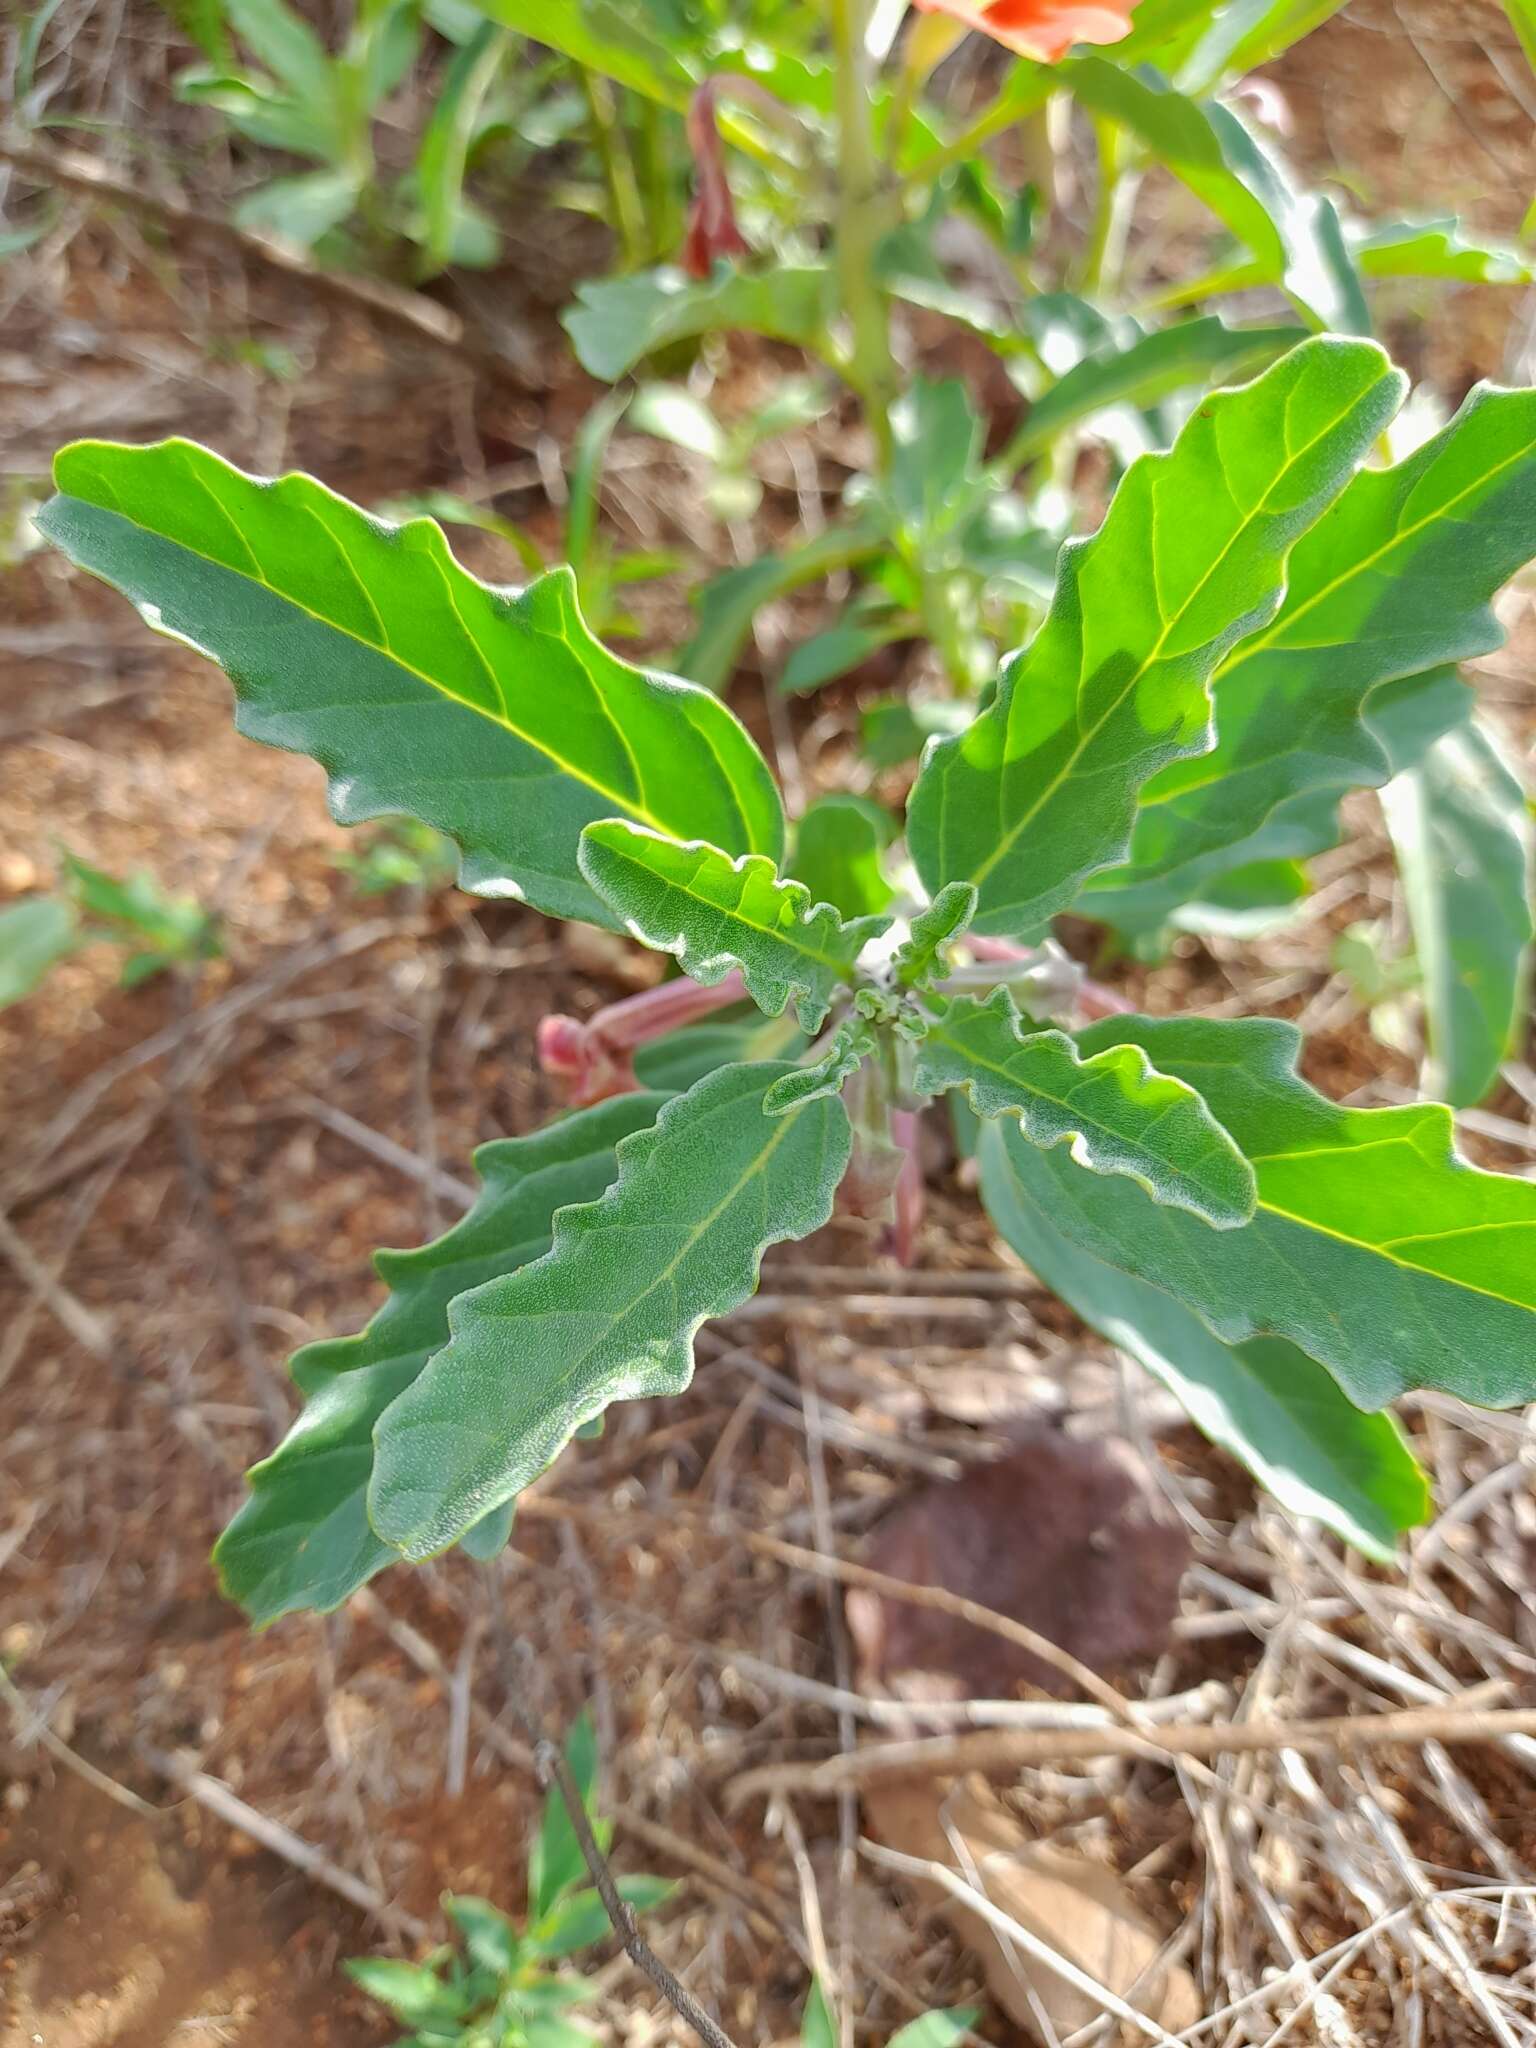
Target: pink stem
{"type": "Point", "coordinates": [911, 1193]}
{"type": "Point", "coordinates": [1093, 998]}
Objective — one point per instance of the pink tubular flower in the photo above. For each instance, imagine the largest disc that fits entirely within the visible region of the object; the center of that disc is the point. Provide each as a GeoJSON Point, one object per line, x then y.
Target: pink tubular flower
{"type": "Point", "coordinates": [1042, 29]}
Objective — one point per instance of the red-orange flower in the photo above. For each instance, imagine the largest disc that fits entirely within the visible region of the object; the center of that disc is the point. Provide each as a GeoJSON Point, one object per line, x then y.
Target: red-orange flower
{"type": "Point", "coordinates": [1042, 29]}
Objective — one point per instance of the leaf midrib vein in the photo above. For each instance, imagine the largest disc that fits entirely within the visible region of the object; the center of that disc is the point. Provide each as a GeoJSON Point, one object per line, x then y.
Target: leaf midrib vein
{"type": "Point", "coordinates": [1143, 668]}
{"type": "Point", "coordinates": [630, 804]}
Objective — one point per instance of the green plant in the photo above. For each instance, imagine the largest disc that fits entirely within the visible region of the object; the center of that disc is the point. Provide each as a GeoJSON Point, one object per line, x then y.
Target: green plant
{"type": "Point", "coordinates": [1261, 618]}
{"type": "Point", "coordinates": [399, 853]}
{"type": "Point", "coordinates": [162, 931]}
{"type": "Point", "coordinates": [501, 1991]}
{"type": "Point", "coordinates": [291, 94]}
{"type": "Point", "coordinates": [819, 2028]}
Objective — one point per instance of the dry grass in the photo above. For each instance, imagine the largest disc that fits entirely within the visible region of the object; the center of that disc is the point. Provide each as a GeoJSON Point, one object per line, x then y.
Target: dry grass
{"type": "Point", "coordinates": [192, 1187]}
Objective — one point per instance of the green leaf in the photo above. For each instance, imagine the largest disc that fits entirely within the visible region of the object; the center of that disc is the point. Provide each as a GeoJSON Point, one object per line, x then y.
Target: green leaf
{"type": "Point", "coordinates": [489, 1935]}
{"type": "Point", "coordinates": [1251, 33]}
{"type": "Point", "coordinates": [581, 1918]}
{"type": "Point", "coordinates": [844, 646]}
{"type": "Point", "coordinates": [852, 1044]}
{"type": "Point", "coordinates": [715, 914]}
{"type": "Point", "coordinates": [412, 1991]}
{"type": "Point", "coordinates": [675, 1061]}
{"type": "Point", "coordinates": [1295, 234]}
{"type": "Point", "coordinates": [1522, 19]}
{"type": "Point", "coordinates": [556, 1864]}
{"type": "Point", "coordinates": [1118, 1114]}
{"type": "Point", "coordinates": [894, 730]}
{"type": "Point", "coordinates": [617, 321]}
{"type": "Point", "coordinates": [838, 845]}
{"type": "Point", "coordinates": [934, 474]}
{"type": "Point", "coordinates": [545, 2032]}
{"type": "Point", "coordinates": [610, 1313]}
{"type": "Point", "coordinates": [727, 604]}
{"type": "Point", "coordinates": [937, 2029]}
{"type": "Point", "coordinates": [1396, 582]}
{"type": "Point", "coordinates": [603, 38]}
{"type": "Point", "coordinates": [919, 960]}
{"type": "Point", "coordinates": [300, 209]}
{"type": "Point", "coordinates": [1145, 370]}
{"type": "Point", "coordinates": [818, 2024]}
{"type": "Point", "coordinates": [1461, 828]}
{"type": "Point", "coordinates": [443, 155]}
{"type": "Point", "coordinates": [495, 717]}
{"type": "Point", "coordinates": [1439, 248]}
{"type": "Point", "coordinates": [1267, 1403]}
{"type": "Point", "coordinates": [302, 1538]}
{"type": "Point", "coordinates": [33, 935]}
{"type": "Point", "coordinates": [287, 45]}
{"type": "Point", "coordinates": [1040, 791]}
{"type": "Point", "coordinates": [1374, 1247]}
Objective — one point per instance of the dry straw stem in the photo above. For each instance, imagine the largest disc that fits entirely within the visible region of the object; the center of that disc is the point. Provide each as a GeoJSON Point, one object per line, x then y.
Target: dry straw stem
{"type": "Point", "coordinates": [535, 1505]}
{"type": "Point", "coordinates": [1021, 1748]}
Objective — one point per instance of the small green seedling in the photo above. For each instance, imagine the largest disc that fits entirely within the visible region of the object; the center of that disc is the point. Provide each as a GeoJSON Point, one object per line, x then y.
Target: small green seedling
{"type": "Point", "coordinates": [162, 931]}
{"type": "Point", "coordinates": [496, 1988]}
{"type": "Point", "coordinates": [940, 2029]}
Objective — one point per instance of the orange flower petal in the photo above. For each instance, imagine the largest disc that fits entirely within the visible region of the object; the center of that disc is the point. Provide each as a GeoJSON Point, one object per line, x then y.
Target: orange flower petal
{"type": "Point", "coordinates": [1042, 29]}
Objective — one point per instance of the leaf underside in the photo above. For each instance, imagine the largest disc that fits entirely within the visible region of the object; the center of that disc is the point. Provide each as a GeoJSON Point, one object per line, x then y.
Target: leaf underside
{"type": "Point", "coordinates": [1040, 790]}
{"type": "Point", "coordinates": [1274, 1408]}
{"type": "Point", "coordinates": [494, 716]}
{"type": "Point", "coordinates": [610, 1313]}
{"type": "Point", "coordinates": [302, 1539]}
{"type": "Point", "coordinates": [1373, 1246]}
{"type": "Point", "coordinates": [1461, 827]}
{"type": "Point", "coordinates": [715, 914]}
{"type": "Point", "coordinates": [1116, 1113]}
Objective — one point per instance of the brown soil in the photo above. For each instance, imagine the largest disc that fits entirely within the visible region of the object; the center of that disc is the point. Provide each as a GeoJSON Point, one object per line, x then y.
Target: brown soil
{"type": "Point", "coordinates": [203, 1212]}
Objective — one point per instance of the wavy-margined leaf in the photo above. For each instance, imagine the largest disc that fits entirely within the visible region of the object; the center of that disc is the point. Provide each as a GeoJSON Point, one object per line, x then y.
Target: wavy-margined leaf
{"type": "Point", "coordinates": [618, 320]}
{"type": "Point", "coordinates": [715, 913]}
{"type": "Point", "coordinates": [1405, 718]}
{"type": "Point", "coordinates": [1461, 828]}
{"type": "Point", "coordinates": [1145, 370]}
{"type": "Point", "coordinates": [302, 1538]}
{"type": "Point", "coordinates": [1373, 1247]}
{"type": "Point", "coordinates": [496, 717]}
{"type": "Point", "coordinates": [1398, 581]}
{"type": "Point", "coordinates": [852, 1044]}
{"type": "Point", "coordinates": [920, 958]}
{"type": "Point", "coordinates": [838, 846]}
{"type": "Point", "coordinates": [1295, 234]}
{"type": "Point", "coordinates": [1439, 248]}
{"type": "Point", "coordinates": [1040, 790]}
{"type": "Point", "coordinates": [1268, 1403]}
{"type": "Point", "coordinates": [610, 1313]}
{"type": "Point", "coordinates": [1112, 1108]}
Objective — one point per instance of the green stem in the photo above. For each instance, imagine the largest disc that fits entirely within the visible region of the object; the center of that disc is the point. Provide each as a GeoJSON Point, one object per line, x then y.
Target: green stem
{"type": "Point", "coordinates": [1105, 211]}
{"type": "Point", "coordinates": [871, 367]}
{"type": "Point", "coordinates": [612, 147]}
